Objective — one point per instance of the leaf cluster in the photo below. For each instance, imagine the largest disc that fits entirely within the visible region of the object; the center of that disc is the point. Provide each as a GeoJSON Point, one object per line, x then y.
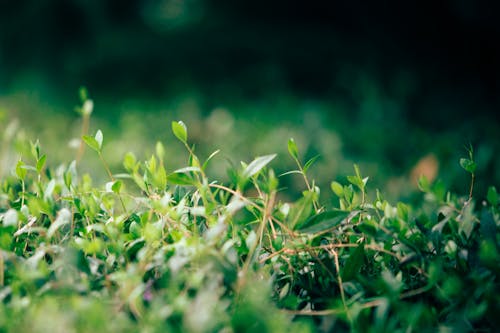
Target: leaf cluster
{"type": "Point", "coordinates": [160, 250]}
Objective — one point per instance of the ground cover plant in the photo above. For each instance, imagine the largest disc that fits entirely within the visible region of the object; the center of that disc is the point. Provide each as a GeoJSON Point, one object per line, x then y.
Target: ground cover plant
{"type": "Point", "coordinates": [158, 250]}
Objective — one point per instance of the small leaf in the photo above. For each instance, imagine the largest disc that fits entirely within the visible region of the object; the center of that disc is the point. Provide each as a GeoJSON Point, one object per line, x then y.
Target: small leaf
{"type": "Point", "coordinates": [209, 159]}
{"type": "Point", "coordinates": [41, 163]}
{"type": "Point", "coordinates": [301, 210]}
{"type": "Point", "coordinates": [188, 169]}
{"type": "Point", "coordinates": [324, 221]}
{"type": "Point", "coordinates": [161, 178]}
{"type": "Point", "coordinates": [180, 179]}
{"type": "Point", "coordinates": [117, 185]}
{"type": "Point", "coordinates": [292, 148]}
{"type": "Point", "coordinates": [423, 184]}
{"type": "Point", "coordinates": [468, 165]}
{"type": "Point", "coordinates": [309, 163]}
{"type": "Point", "coordinates": [160, 150]}
{"type": "Point", "coordinates": [354, 263]}
{"type": "Point", "coordinates": [83, 94]}
{"type": "Point", "coordinates": [356, 181]}
{"type": "Point", "coordinates": [180, 131]}
{"type": "Point", "coordinates": [21, 170]}
{"type": "Point", "coordinates": [92, 143]}
{"type": "Point", "coordinates": [337, 188]}
{"type": "Point", "coordinates": [257, 164]}
{"type": "Point", "coordinates": [492, 196]}
{"type": "Point", "coordinates": [98, 138]}
{"type": "Point", "coordinates": [129, 161]}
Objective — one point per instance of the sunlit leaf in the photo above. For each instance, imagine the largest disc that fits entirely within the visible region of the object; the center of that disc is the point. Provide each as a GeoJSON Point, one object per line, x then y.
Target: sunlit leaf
{"type": "Point", "coordinates": [180, 130]}
{"type": "Point", "coordinates": [41, 163]}
{"type": "Point", "coordinates": [292, 148]}
{"type": "Point", "coordinates": [92, 143]}
{"type": "Point", "coordinates": [257, 164]}
{"type": "Point", "coordinates": [337, 188]}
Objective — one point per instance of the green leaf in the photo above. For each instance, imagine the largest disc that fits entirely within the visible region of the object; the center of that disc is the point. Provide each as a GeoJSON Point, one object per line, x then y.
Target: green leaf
{"type": "Point", "coordinates": [21, 170]}
{"type": "Point", "coordinates": [41, 163]}
{"type": "Point", "coordinates": [205, 164]}
{"type": "Point", "coordinates": [301, 209]}
{"type": "Point", "coordinates": [468, 165]}
{"type": "Point", "coordinates": [129, 161]}
{"type": "Point", "coordinates": [356, 181]}
{"type": "Point", "coordinates": [180, 130]}
{"type": "Point", "coordinates": [424, 184]}
{"type": "Point", "coordinates": [292, 149]}
{"type": "Point", "coordinates": [160, 150]}
{"type": "Point", "coordinates": [161, 178]}
{"type": "Point", "coordinates": [324, 221]}
{"type": "Point", "coordinates": [92, 143]}
{"type": "Point", "coordinates": [180, 179]}
{"type": "Point", "coordinates": [337, 188]}
{"type": "Point", "coordinates": [492, 196]}
{"type": "Point", "coordinates": [309, 163]}
{"type": "Point", "coordinates": [257, 164]}
{"type": "Point", "coordinates": [117, 185]}
{"type": "Point", "coordinates": [354, 263]}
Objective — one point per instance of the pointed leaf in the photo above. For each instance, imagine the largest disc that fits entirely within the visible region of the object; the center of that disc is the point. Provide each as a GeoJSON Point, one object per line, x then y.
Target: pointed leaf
{"type": "Point", "coordinates": [337, 189]}
{"type": "Point", "coordinates": [21, 170]}
{"type": "Point", "coordinates": [92, 143]}
{"type": "Point", "coordinates": [180, 130]}
{"type": "Point", "coordinates": [354, 263]}
{"type": "Point", "coordinates": [98, 138]}
{"type": "Point", "coordinates": [325, 221]}
{"type": "Point", "coordinates": [257, 164]}
{"type": "Point", "coordinates": [309, 163]}
{"type": "Point", "coordinates": [292, 148]}
{"type": "Point", "coordinates": [41, 163]}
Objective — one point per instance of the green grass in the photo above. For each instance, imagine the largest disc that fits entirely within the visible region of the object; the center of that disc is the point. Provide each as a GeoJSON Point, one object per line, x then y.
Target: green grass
{"type": "Point", "coordinates": [176, 249]}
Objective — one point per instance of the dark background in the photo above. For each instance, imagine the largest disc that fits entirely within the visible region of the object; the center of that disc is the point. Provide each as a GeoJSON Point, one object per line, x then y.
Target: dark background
{"type": "Point", "coordinates": [430, 68]}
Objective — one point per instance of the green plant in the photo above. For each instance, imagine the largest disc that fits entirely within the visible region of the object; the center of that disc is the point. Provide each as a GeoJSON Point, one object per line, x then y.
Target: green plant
{"type": "Point", "coordinates": [157, 250]}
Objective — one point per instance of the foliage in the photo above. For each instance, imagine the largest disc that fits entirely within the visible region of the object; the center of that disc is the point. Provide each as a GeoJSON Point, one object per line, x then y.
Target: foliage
{"type": "Point", "coordinates": [158, 250]}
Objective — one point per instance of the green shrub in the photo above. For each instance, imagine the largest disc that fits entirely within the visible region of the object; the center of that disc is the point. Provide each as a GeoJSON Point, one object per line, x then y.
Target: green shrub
{"type": "Point", "coordinates": [154, 250]}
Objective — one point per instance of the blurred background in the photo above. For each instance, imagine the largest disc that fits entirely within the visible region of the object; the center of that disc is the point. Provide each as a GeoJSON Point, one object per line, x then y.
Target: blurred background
{"type": "Point", "coordinates": [399, 87]}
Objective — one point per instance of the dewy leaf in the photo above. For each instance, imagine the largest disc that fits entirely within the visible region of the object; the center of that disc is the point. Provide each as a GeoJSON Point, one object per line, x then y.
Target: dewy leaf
{"type": "Point", "coordinates": [292, 148]}
{"type": "Point", "coordinates": [180, 130]}
{"type": "Point", "coordinates": [92, 143]}
{"type": "Point", "coordinates": [257, 164]}
{"type": "Point", "coordinates": [468, 165]}
{"type": "Point", "coordinates": [325, 221]}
